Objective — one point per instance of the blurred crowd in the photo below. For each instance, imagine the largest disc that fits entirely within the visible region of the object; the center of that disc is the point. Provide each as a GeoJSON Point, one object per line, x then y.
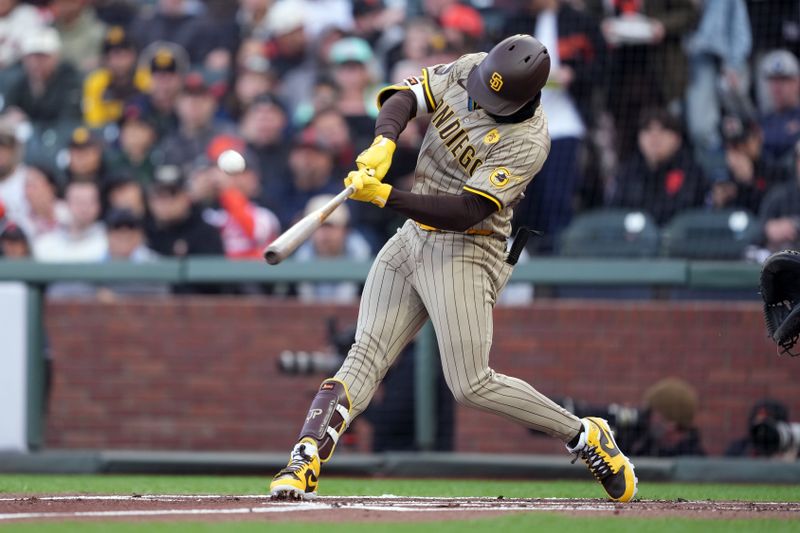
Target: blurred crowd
{"type": "Point", "coordinates": [114, 112]}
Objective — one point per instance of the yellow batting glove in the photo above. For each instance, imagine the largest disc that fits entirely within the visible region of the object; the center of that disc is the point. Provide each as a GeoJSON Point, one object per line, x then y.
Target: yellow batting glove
{"type": "Point", "coordinates": [377, 157]}
{"type": "Point", "coordinates": [368, 188]}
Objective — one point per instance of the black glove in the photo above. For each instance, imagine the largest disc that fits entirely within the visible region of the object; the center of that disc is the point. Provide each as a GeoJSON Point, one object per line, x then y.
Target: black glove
{"type": "Point", "coordinates": [780, 289]}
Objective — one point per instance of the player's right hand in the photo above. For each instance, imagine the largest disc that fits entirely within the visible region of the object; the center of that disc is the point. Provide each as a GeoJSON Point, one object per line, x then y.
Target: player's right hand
{"type": "Point", "coordinates": [367, 188]}
{"type": "Point", "coordinates": [378, 157]}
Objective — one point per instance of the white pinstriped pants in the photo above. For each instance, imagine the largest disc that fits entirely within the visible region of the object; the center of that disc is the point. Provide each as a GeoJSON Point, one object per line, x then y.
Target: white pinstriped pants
{"type": "Point", "coordinates": [454, 279]}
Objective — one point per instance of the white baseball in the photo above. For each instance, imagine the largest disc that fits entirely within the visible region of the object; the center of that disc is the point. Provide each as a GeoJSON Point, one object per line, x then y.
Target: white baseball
{"type": "Point", "coordinates": [231, 162]}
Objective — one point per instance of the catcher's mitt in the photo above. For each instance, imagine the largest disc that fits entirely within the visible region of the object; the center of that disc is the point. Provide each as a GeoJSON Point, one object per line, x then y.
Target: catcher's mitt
{"type": "Point", "coordinates": [780, 288]}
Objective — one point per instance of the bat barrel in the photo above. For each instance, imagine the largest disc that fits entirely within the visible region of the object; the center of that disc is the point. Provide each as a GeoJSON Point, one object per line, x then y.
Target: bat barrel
{"type": "Point", "coordinates": [287, 243]}
{"type": "Point", "coordinates": [272, 257]}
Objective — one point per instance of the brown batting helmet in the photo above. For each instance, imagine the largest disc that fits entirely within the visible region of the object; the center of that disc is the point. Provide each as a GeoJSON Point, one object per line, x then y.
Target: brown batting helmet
{"type": "Point", "coordinates": [510, 76]}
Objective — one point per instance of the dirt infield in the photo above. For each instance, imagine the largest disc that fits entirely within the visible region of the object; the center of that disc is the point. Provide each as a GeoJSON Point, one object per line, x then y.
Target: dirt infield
{"type": "Point", "coordinates": [356, 508]}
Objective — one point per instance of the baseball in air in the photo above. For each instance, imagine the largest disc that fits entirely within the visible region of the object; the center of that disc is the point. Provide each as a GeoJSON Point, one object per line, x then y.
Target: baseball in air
{"type": "Point", "coordinates": [231, 162]}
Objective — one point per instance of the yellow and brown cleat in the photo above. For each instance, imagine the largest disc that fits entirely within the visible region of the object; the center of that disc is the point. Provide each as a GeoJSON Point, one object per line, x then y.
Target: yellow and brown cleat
{"type": "Point", "coordinates": [605, 460]}
{"type": "Point", "coordinates": [300, 478]}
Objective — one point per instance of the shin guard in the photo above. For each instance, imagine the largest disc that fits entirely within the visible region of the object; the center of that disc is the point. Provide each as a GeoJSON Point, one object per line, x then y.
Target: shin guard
{"type": "Point", "coordinates": [328, 417]}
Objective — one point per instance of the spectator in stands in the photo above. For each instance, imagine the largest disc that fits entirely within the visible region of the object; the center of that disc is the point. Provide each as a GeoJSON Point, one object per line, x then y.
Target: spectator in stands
{"type": "Point", "coordinates": [311, 170]}
{"type": "Point", "coordinates": [577, 53]}
{"type": "Point", "coordinates": [246, 227]}
{"type": "Point", "coordinates": [368, 19]}
{"type": "Point", "coordinates": [463, 30]}
{"type": "Point", "coordinates": [780, 212]}
{"type": "Point", "coordinates": [351, 59]}
{"type": "Point", "coordinates": [117, 81]}
{"type": "Point", "coordinates": [333, 240]}
{"type": "Point", "coordinates": [167, 66]}
{"type": "Point", "coordinates": [324, 16]}
{"type": "Point", "coordinates": [116, 12]}
{"type": "Point", "coordinates": [126, 242]}
{"type": "Point", "coordinates": [775, 24]}
{"type": "Point", "coordinates": [12, 174]}
{"type": "Point", "coordinates": [749, 173]}
{"type": "Point", "coordinates": [165, 23]}
{"type": "Point", "coordinates": [782, 125]}
{"type": "Point", "coordinates": [127, 193]}
{"type": "Point", "coordinates": [662, 177]}
{"type": "Point", "coordinates": [135, 153]}
{"type": "Point", "coordinates": [18, 20]}
{"type": "Point", "coordinates": [84, 238]}
{"type": "Point", "coordinates": [435, 8]}
{"type": "Point", "coordinates": [325, 95]}
{"type": "Point", "coordinates": [670, 405]}
{"type": "Point", "coordinates": [265, 127]}
{"type": "Point", "coordinates": [288, 52]}
{"type": "Point", "coordinates": [85, 151]}
{"type": "Point", "coordinates": [212, 37]}
{"type": "Point", "coordinates": [126, 237]}
{"type": "Point", "coordinates": [719, 78]}
{"type": "Point", "coordinates": [252, 17]}
{"type": "Point", "coordinates": [49, 92]}
{"type": "Point", "coordinates": [332, 128]}
{"type": "Point", "coordinates": [14, 243]}
{"type": "Point", "coordinates": [81, 33]}
{"type": "Point", "coordinates": [647, 64]}
{"type": "Point", "coordinates": [45, 210]}
{"type": "Point", "coordinates": [414, 51]}
{"type": "Point", "coordinates": [254, 78]}
{"type": "Point", "coordinates": [379, 26]}
{"type": "Point", "coordinates": [177, 227]}
{"type": "Point", "coordinates": [196, 108]}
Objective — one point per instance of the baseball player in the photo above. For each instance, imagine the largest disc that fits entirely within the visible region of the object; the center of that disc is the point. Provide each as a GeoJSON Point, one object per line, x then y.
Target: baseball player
{"type": "Point", "coordinates": [487, 139]}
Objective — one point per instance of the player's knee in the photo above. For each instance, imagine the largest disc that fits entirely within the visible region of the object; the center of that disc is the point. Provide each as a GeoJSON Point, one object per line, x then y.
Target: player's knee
{"type": "Point", "coordinates": [469, 393]}
{"type": "Point", "coordinates": [459, 394]}
{"type": "Point", "coordinates": [466, 396]}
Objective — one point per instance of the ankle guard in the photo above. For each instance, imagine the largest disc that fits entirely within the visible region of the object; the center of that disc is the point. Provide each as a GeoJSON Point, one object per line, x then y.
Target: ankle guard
{"type": "Point", "coordinates": [328, 417]}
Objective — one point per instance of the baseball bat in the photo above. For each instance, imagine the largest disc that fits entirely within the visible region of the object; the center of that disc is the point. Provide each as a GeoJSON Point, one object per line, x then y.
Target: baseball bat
{"type": "Point", "coordinates": [292, 238]}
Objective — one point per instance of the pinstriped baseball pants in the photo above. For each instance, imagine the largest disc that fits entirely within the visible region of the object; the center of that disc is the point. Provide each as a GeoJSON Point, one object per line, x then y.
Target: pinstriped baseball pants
{"type": "Point", "coordinates": [454, 279]}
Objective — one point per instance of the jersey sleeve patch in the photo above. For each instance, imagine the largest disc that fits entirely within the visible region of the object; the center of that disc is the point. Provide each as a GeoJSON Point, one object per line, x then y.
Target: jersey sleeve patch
{"type": "Point", "coordinates": [486, 195]}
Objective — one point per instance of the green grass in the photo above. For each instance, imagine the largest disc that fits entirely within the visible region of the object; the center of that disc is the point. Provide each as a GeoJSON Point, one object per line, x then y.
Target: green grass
{"type": "Point", "coordinates": [125, 484]}
{"type": "Point", "coordinates": [526, 522]}
{"type": "Point", "coordinates": [135, 484]}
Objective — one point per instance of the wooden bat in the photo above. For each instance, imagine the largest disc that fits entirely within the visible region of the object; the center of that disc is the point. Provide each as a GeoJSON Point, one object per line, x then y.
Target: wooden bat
{"type": "Point", "coordinates": [292, 238]}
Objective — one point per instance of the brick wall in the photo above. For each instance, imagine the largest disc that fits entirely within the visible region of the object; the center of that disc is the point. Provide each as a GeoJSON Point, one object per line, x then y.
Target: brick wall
{"type": "Point", "coordinates": [200, 373]}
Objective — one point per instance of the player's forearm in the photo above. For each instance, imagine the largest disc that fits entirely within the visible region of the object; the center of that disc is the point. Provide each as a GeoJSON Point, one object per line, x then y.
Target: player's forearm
{"type": "Point", "coordinates": [447, 212]}
{"type": "Point", "coordinates": [395, 113]}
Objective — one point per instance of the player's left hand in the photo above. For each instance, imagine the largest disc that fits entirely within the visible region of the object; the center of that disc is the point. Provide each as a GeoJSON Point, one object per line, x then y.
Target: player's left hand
{"type": "Point", "coordinates": [368, 188]}
{"type": "Point", "coordinates": [378, 157]}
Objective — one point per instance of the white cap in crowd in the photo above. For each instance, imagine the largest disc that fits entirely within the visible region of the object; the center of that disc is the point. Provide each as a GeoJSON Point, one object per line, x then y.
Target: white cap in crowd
{"type": "Point", "coordinates": [44, 41]}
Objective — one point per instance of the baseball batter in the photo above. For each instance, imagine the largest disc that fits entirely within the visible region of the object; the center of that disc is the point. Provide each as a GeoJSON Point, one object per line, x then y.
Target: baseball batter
{"type": "Point", "coordinates": [487, 139]}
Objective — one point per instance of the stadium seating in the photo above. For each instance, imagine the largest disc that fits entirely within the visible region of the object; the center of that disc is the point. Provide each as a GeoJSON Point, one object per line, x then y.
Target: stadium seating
{"type": "Point", "coordinates": [701, 234]}
{"type": "Point", "coordinates": [611, 233]}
